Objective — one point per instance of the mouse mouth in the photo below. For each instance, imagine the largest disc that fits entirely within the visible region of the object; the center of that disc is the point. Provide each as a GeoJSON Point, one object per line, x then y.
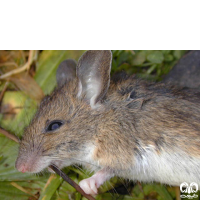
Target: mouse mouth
{"type": "Point", "coordinates": [32, 164]}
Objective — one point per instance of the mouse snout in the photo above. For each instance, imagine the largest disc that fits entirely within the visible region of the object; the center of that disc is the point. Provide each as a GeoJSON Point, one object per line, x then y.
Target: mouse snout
{"type": "Point", "coordinates": [31, 163]}
{"type": "Point", "coordinates": [25, 164]}
{"type": "Point", "coordinates": [22, 167]}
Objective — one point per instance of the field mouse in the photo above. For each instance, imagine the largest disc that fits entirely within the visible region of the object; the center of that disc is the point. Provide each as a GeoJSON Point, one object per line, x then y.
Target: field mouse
{"type": "Point", "coordinates": [123, 127]}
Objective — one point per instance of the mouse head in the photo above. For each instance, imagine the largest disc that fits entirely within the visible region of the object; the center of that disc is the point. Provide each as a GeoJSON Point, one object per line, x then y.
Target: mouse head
{"type": "Point", "coordinates": [63, 126]}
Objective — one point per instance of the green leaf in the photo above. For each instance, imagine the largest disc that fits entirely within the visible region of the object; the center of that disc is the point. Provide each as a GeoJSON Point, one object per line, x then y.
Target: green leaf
{"type": "Point", "coordinates": [151, 69]}
{"type": "Point", "coordinates": [116, 53]}
{"type": "Point", "coordinates": [166, 52]}
{"type": "Point", "coordinates": [178, 54]}
{"type": "Point", "coordinates": [66, 191]}
{"type": "Point", "coordinates": [8, 192]}
{"type": "Point", "coordinates": [159, 189]}
{"type": "Point", "coordinates": [18, 109]}
{"type": "Point", "coordinates": [169, 58]}
{"type": "Point", "coordinates": [51, 186]}
{"type": "Point", "coordinates": [139, 58]}
{"type": "Point", "coordinates": [155, 57]}
{"type": "Point", "coordinates": [47, 66]}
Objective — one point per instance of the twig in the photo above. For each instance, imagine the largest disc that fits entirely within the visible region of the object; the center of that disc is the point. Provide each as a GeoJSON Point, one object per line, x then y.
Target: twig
{"type": "Point", "coordinates": [54, 168]}
{"type": "Point", "coordinates": [3, 91]}
{"type": "Point", "coordinates": [178, 194]}
{"type": "Point", "coordinates": [15, 71]}
{"type": "Point", "coordinates": [30, 59]}
{"type": "Point", "coordinates": [9, 135]}
{"type": "Point", "coordinates": [23, 190]}
{"type": "Point", "coordinates": [21, 69]}
{"type": "Point", "coordinates": [71, 182]}
{"type": "Point", "coordinates": [9, 64]}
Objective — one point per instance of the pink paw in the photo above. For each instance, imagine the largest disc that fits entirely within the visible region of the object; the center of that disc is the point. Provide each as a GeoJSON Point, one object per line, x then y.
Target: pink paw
{"type": "Point", "coordinates": [89, 186]}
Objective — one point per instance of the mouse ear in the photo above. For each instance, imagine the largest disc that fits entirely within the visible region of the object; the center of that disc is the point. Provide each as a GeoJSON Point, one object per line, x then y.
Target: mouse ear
{"type": "Point", "coordinates": [93, 71]}
{"type": "Point", "coordinates": [66, 71]}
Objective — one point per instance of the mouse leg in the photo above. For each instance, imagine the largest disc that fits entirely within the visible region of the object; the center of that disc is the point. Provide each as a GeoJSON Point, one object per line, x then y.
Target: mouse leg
{"type": "Point", "coordinates": [91, 185]}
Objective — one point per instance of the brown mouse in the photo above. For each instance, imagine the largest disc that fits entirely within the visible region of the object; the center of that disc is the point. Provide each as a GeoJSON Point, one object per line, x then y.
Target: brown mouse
{"type": "Point", "coordinates": [125, 127]}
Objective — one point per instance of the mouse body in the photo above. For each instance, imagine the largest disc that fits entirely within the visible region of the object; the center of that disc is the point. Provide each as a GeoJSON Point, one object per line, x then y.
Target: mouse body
{"type": "Point", "coordinates": [122, 127]}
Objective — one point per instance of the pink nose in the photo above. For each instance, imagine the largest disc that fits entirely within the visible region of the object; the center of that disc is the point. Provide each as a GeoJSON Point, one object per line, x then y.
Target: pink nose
{"type": "Point", "coordinates": [22, 168]}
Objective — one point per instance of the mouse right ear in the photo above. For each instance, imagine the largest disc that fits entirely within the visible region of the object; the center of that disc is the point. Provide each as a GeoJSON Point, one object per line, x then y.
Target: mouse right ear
{"type": "Point", "coordinates": [93, 72]}
{"type": "Point", "coordinates": [66, 72]}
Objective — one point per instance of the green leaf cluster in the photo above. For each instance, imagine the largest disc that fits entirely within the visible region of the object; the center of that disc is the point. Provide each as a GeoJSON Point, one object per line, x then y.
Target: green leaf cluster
{"type": "Point", "coordinates": [152, 65]}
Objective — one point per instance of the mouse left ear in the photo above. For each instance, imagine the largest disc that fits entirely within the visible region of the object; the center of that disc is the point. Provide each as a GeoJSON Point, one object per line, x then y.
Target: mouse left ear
{"type": "Point", "coordinates": [93, 72]}
{"type": "Point", "coordinates": [66, 72]}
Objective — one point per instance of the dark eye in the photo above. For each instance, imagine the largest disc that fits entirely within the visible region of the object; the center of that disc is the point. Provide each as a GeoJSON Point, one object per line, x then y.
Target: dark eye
{"type": "Point", "coordinates": [54, 125]}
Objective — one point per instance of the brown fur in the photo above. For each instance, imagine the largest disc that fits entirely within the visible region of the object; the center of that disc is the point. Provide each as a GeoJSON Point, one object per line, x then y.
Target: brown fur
{"type": "Point", "coordinates": [158, 115]}
{"type": "Point", "coordinates": [132, 116]}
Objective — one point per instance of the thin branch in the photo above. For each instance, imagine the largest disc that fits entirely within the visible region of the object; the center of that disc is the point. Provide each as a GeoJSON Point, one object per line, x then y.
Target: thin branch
{"type": "Point", "coordinates": [15, 71]}
{"type": "Point", "coordinates": [23, 190]}
{"type": "Point", "coordinates": [71, 182]}
{"type": "Point", "coordinates": [9, 135]}
{"type": "Point", "coordinates": [21, 69]}
{"type": "Point", "coordinates": [9, 64]}
{"type": "Point", "coordinates": [30, 59]}
{"type": "Point", "coordinates": [178, 194]}
{"type": "Point", "coordinates": [3, 91]}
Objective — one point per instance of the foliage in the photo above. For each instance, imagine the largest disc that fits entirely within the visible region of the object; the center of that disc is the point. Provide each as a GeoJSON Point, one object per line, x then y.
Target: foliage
{"type": "Point", "coordinates": [18, 107]}
{"type": "Point", "coordinates": [151, 65]}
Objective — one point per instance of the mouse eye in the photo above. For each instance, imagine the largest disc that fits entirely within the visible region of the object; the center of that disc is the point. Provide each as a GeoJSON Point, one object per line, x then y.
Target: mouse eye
{"type": "Point", "coordinates": [54, 125]}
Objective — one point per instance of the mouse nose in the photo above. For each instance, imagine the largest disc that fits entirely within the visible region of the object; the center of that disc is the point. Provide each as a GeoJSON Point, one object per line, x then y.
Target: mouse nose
{"type": "Point", "coordinates": [31, 162]}
{"type": "Point", "coordinates": [22, 168]}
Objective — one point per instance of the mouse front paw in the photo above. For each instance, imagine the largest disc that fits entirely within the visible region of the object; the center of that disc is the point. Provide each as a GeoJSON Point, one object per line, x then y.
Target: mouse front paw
{"type": "Point", "coordinates": [89, 186]}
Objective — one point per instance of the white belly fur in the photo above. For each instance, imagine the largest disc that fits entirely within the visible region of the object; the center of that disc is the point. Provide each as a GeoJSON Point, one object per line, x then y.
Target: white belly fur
{"type": "Point", "coordinates": [168, 168]}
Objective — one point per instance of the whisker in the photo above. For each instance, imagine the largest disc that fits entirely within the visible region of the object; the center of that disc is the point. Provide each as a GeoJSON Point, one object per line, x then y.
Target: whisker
{"type": "Point", "coordinates": [81, 170]}
{"type": "Point", "coordinates": [122, 181]}
{"type": "Point", "coordinates": [112, 189]}
{"type": "Point", "coordinates": [80, 161]}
